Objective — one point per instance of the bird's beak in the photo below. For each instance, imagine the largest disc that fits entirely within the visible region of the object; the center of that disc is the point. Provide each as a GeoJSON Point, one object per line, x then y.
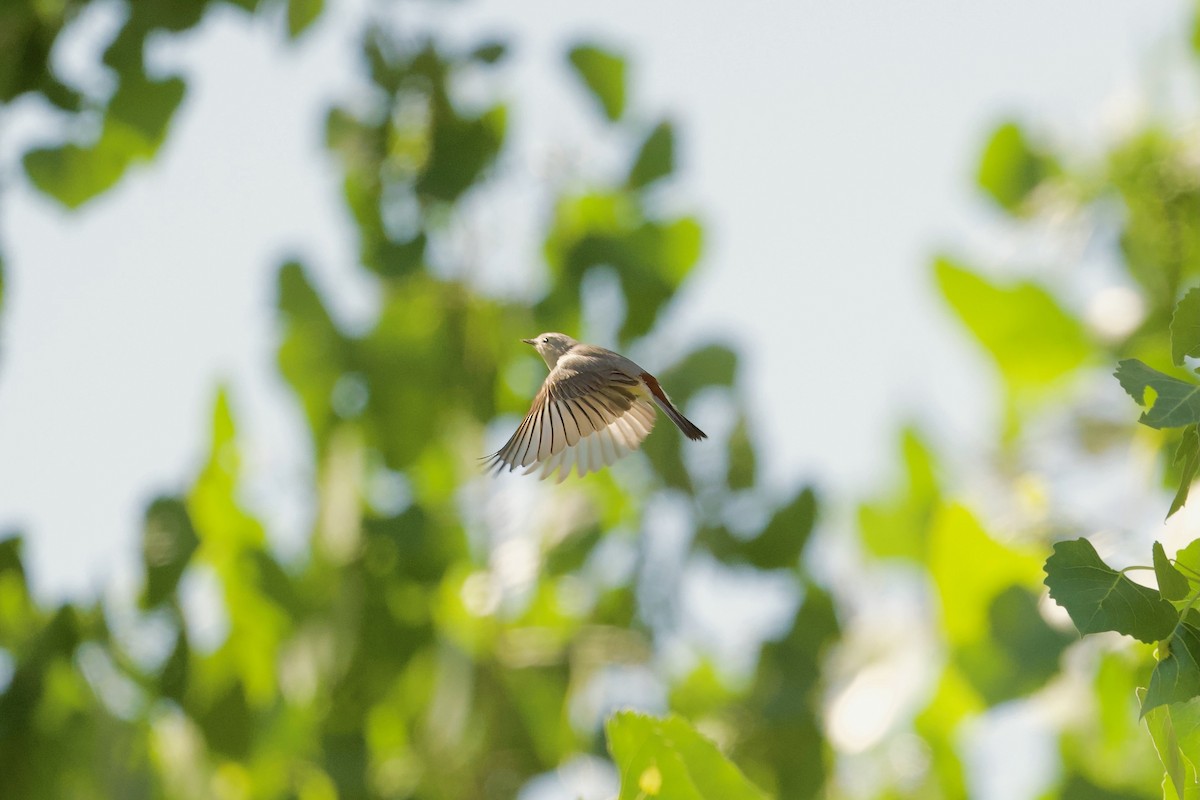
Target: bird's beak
{"type": "Point", "coordinates": [529, 341]}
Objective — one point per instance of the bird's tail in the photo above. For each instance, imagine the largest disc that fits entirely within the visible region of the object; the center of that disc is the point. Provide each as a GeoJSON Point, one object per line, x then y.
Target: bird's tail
{"type": "Point", "coordinates": [664, 402]}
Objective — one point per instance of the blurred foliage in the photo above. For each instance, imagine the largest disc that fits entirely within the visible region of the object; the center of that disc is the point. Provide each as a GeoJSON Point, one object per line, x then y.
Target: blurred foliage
{"type": "Point", "coordinates": [433, 641]}
{"type": "Point", "coordinates": [401, 655]}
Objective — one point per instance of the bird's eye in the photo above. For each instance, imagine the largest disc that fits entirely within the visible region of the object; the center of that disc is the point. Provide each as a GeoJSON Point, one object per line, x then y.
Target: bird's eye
{"type": "Point", "coordinates": [546, 340]}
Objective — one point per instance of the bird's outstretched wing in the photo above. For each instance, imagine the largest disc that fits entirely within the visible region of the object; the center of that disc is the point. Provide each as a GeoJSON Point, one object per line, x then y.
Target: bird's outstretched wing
{"type": "Point", "coordinates": [579, 419]}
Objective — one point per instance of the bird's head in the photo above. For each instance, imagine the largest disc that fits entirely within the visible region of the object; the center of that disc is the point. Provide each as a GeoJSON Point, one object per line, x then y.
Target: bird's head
{"type": "Point", "coordinates": [551, 346]}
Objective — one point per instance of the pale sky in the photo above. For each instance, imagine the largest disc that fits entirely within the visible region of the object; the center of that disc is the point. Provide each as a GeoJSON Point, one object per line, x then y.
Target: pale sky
{"type": "Point", "coordinates": [829, 147]}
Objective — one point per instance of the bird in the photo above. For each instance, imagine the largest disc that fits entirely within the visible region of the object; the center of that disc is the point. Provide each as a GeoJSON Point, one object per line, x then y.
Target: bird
{"type": "Point", "coordinates": [594, 407]}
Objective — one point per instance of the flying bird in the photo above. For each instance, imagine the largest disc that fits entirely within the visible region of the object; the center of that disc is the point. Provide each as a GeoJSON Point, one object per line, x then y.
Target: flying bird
{"type": "Point", "coordinates": [594, 407]}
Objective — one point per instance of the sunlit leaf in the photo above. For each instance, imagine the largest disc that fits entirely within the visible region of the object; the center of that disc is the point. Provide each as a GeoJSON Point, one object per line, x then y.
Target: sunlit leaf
{"type": "Point", "coordinates": [1185, 328]}
{"type": "Point", "coordinates": [1175, 731]}
{"type": "Point", "coordinates": [1171, 583]}
{"type": "Point", "coordinates": [1011, 168]}
{"type": "Point", "coordinates": [603, 72]}
{"type": "Point", "coordinates": [898, 526]}
{"type": "Point", "coordinates": [667, 758]}
{"type": "Point", "coordinates": [970, 569]}
{"type": "Point", "coordinates": [1176, 403]}
{"type": "Point", "coordinates": [1033, 340]}
{"type": "Point", "coordinates": [1098, 598]}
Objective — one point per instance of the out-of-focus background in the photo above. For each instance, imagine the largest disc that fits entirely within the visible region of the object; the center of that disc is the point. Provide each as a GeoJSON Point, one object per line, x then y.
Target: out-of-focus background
{"type": "Point", "coordinates": [264, 268]}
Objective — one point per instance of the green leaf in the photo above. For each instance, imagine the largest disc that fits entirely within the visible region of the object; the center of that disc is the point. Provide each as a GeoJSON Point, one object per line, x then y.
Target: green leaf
{"type": "Point", "coordinates": [1021, 653]}
{"type": "Point", "coordinates": [147, 106]}
{"type": "Point", "coordinates": [1176, 677]}
{"type": "Point", "coordinates": [1188, 558]}
{"type": "Point", "coordinates": [1175, 731]}
{"type": "Point", "coordinates": [603, 72]}
{"type": "Point", "coordinates": [1185, 328]}
{"type": "Point", "coordinates": [489, 52]}
{"type": "Point", "coordinates": [778, 545]}
{"type": "Point", "coordinates": [313, 353]}
{"type": "Point", "coordinates": [1010, 168]}
{"type": "Point", "coordinates": [897, 526]}
{"type": "Point", "coordinates": [668, 759]}
{"type": "Point", "coordinates": [72, 175]}
{"type": "Point", "coordinates": [710, 365]}
{"type": "Point", "coordinates": [1032, 339]}
{"type": "Point", "coordinates": [301, 14]}
{"type": "Point", "coordinates": [781, 542]}
{"type": "Point", "coordinates": [1177, 403]}
{"type": "Point", "coordinates": [168, 541]}
{"type": "Point", "coordinates": [741, 470]}
{"type": "Point", "coordinates": [1188, 457]}
{"type": "Point", "coordinates": [1098, 598]}
{"type": "Point", "coordinates": [1171, 583]}
{"type": "Point", "coordinates": [460, 149]}
{"type": "Point", "coordinates": [655, 159]}
{"type": "Point", "coordinates": [969, 569]}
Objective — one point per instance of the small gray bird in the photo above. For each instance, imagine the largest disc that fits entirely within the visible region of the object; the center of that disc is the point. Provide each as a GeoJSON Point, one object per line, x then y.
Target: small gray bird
{"type": "Point", "coordinates": [594, 407]}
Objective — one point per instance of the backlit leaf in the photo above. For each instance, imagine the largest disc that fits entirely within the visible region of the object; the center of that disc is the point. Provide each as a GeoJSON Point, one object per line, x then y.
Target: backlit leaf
{"type": "Point", "coordinates": [1185, 328]}
{"type": "Point", "coordinates": [1171, 583]}
{"type": "Point", "coordinates": [668, 759]}
{"type": "Point", "coordinates": [1011, 168]}
{"type": "Point", "coordinates": [1033, 340]}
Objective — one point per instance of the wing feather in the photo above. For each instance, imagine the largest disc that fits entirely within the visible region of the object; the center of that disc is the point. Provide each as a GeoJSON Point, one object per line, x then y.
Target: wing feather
{"type": "Point", "coordinates": [581, 419]}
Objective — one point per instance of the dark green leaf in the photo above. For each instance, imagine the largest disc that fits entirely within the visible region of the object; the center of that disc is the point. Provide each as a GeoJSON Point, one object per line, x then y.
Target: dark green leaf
{"type": "Point", "coordinates": [460, 149]}
{"type": "Point", "coordinates": [490, 52]}
{"type": "Point", "coordinates": [655, 159]}
{"type": "Point", "coordinates": [1078, 787]}
{"type": "Point", "coordinates": [1021, 654]}
{"type": "Point", "coordinates": [313, 352]}
{"type": "Point", "coordinates": [1185, 328]}
{"type": "Point", "coordinates": [301, 14]}
{"type": "Point", "coordinates": [147, 107]}
{"type": "Point", "coordinates": [168, 541]}
{"type": "Point", "coordinates": [668, 759]}
{"type": "Point", "coordinates": [781, 542]}
{"type": "Point", "coordinates": [710, 365]}
{"type": "Point", "coordinates": [1098, 598]}
{"type": "Point", "coordinates": [1171, 583]}
{"type": "Point", "coordinates": [603, 72]}
{"type": "Point", "coordinates": [227, 722]}
{"type": "Point", "coordinates": [1188, 459]}
{"type": "Point", "coordinates": [570, 553]}
{"type": "Point", "coordinates": [1176, 677]}
{"type": "Point", "coordinates": [1010, 168]}
{"type": "Point", "coordinates": [172, 680]}
{"type": "Point", "coordinates": [1177, 403]}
